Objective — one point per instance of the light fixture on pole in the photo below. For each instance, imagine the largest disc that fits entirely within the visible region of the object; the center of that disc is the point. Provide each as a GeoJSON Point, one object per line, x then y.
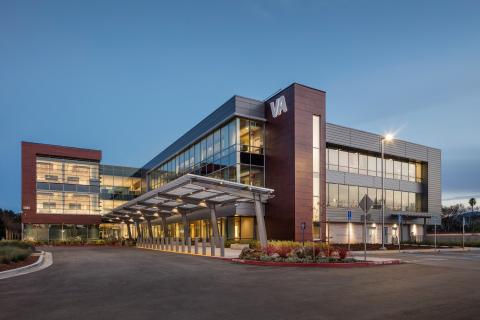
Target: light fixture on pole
{"type": "Point", "coordinates": [388, 137]}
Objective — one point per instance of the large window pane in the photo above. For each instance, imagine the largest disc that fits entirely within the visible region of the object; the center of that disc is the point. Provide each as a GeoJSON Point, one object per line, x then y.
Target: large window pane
{"type": "Point", "coordinates": [405, 200]}
{"type": "Point", "coordinates": [389, 168]}
{"type": "Point", "coordinates": [397, 170]}
{"type": "Point", "coordinates": [244, 134]}
{"type": "Point", "coordinates": [353, 162]}
{"type": "Point", "coordinates": [353, 196]}
{"type": "Point", "coordinates": [333, 159]}
{"type": "Point", "coordinates": [389, 199]}
{"type": "Point", "coordinates": [256, 137]}
{"type": "Point", "coordinates": [343, 196]}
{"type": "Point", "coordinates": [343, 161]}
{"type": "Point", "coordinates": [397, 200]}
{"type": "Point", "coordinates": [405, 171]}
{"type": "Point", "coordinates": [362, 164]}
{"type": "Point", "coordinates": [372, 166]}
{"type": "Point", "coordinates": [411, 172]}
{"type": "Point", "coordinates": [232, 132]}
{"type": "Point", "coordinates": [332, 195]}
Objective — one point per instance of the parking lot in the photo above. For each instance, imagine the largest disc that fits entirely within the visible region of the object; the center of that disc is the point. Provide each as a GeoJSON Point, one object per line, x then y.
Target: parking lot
{"type": "Point", "coordinates": [129, 283]}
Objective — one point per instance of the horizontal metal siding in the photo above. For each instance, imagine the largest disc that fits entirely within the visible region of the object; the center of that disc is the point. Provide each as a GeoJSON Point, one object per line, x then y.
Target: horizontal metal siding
{"type": "Point", "coordinates": [434, 181]}
{"type": "Point", "coordinates": [371, 182]}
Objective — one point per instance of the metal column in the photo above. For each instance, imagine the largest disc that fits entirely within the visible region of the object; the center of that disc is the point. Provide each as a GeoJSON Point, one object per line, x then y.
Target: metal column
{"type": "Point", "coordinates": [164, 226]}
{"type": "Point", "coordinates": [262, 231]}
{"type": "Point", "coordinates": [213, 222]}
{"type": "Point", "coordinates": [138, 229]}
{"type": "Point", "coordinates": [150, 230]}
{"type": "Point", "coordinates": [129, 231]}
{"type": "Point", "coordinates": [186, 226]}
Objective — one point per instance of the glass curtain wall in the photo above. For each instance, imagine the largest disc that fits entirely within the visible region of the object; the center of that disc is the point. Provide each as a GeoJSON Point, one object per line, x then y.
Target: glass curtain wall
{"type": "Point", "coordinates": [347, 196]}
{"type": "Point", "coordinates": [316, 177]}
{"type": "Point", "coordinates": [67, 186]}
{"type": "Point", "coordinates": [233, 152]}
{"type": "Point", "coordinates": [355, 162]}
{"type": "Point", "coordinates": [118, 185]}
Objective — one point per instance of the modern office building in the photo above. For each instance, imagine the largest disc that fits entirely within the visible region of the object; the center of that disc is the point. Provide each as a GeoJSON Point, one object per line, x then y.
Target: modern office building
{"type": "Point", "coordinates": [319, 173]}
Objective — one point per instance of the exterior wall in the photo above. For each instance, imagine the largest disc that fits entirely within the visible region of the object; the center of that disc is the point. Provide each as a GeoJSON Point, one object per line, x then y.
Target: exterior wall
{"type": "Point", "coordinates": [357, 139]}
{"type": "Point", "coordinates": [338, 233]}
{"type": "Point", "coordinates": [30, 151]}
{"type": "Point", "coordinates": [289, 171]}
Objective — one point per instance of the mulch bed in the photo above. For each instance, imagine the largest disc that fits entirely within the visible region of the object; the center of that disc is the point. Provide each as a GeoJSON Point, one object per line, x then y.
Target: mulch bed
{"type": "Point", "coordinates": [14, 265]}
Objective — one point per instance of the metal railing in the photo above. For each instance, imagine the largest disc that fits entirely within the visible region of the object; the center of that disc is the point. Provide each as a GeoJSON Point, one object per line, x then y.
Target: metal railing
{"type": "Point", "coordinates": [182, 245]}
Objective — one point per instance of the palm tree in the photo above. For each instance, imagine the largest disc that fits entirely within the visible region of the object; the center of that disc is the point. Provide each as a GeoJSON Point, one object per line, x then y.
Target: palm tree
{"type": "Point", "coordinates": [472, 202]}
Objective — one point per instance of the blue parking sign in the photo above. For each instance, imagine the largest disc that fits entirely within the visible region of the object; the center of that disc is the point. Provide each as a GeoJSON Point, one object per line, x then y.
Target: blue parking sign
{"type": "Point", "coordinates": [349, 215]}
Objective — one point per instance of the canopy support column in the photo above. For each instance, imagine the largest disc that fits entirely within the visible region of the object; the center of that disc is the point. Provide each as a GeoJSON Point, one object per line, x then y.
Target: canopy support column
{"type": "Point", "coordinates": [150, 229]}
{"type": "Point", "coordinates": [214, 225]}
{"type": "Point", "coordinates": [186, 226]}
{"type": "Point", "coordinates": [164, 226]}
{"type": "Point", "coordinates": [262, 231]}
{"type": "Point", "coordinates": [129, 231]}
{"type": "Point", "coordinates": [138, 229]}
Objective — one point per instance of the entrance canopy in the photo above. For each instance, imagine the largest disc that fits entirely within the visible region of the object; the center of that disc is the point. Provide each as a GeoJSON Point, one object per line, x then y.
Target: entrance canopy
{"type": "Point", "coordinates": [188, 194]}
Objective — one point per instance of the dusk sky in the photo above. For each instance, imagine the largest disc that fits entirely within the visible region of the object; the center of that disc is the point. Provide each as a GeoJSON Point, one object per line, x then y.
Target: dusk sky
{"type": "Point", "coordinates": [129, 77]}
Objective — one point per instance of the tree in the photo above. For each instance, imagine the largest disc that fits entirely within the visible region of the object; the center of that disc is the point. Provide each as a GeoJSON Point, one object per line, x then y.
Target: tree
{"type": "Point", "coordinates": [472, 202]}
{"type": "Point", "coordinates": [10, 221]}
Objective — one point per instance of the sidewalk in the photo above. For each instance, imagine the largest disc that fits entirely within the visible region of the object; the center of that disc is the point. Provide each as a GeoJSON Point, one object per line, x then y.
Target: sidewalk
{"type": "Point", "coordinates": [386, 252]}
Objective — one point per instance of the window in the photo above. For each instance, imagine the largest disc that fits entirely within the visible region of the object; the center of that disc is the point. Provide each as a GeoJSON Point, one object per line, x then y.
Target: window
{"type": "Point", "coordinates": [362, 191]}
{"type": "Point", "coordinates": [343, 161]}
{"type": "Point", "coordinates": [405, 201]}
{"type": "Point", "coordinates": [353, 196]}
{"type": "Point", "coordinates": [333, 195]}
{"type": "Point", "coordinates": [418, 172]}
{"type": "Point", "coordinates": [397, 170]}
{"type": "Point", "coordinates": [372, 194]}
{"type": "Point", "coordinates": [379, 167]}
{"type": "Point", "coordinates": [389, 199]}
{"type": "Point", "coordinates": [411, 172]}
{"type": "Point", "coordinates": [411, 202]}
{"type": "Point", "coordinates": [372, 166]}
{"type": "Point", "coordinates": [397, 200]}
{"type": "Point", "coordinates": [362, 164]}
{"type": "Point", "coordinates": [343, 196]}
{"type": "Point", "coordinates": [333, 159]}
{"type": "Point", "coordinates": [389, 168]}
{"type": "Point", "coordinates": [405, 171]}
{"type": "Point", "coordinates": [353, 162]}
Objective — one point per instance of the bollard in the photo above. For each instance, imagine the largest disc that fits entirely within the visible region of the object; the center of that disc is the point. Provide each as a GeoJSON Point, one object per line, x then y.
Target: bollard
{"type": "Point", "coordinates": [196, 245]}
{"type": "Point", "coordinates": [212, 248]}
{"type": "Point", "coordinates": [189, 245]}
{"type": "Point", "coordinates": [204, 247]}
{"type": "Point", "coordinates": [222, 247]}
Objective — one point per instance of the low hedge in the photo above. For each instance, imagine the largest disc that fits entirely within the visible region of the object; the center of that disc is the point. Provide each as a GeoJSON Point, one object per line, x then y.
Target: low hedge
{"type": "Point", "coordinates": [10, 254]}
{"type": "Point", "coordinates": [17, 244]}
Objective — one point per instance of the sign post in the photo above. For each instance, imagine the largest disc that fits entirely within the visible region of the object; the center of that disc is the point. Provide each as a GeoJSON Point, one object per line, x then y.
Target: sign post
{"type": "Point", "coordinates": [399, 231]}
{"type": "Point", "coordinates": [303, 226]}
{"type": "Point", "coordinates": [349, 218]}
{"type": "Point", "coordinates": [435, 235]}
{"type": "Point", "coordinates": [365, 204]}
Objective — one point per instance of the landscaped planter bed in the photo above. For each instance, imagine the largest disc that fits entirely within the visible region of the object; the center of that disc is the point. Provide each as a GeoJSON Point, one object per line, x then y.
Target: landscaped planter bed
{"type": "Point", "coordinates": [316, 264]}
{"type": "Point", "coordinates": [14, 265]}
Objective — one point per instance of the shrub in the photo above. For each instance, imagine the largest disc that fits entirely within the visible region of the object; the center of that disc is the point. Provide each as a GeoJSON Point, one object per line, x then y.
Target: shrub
{"type": "Point", "coordinates": [17, 244]}
{"type": "Point", "coordinates": [13, 254]}
{"type": "Point", "coordinates": [342, 253]}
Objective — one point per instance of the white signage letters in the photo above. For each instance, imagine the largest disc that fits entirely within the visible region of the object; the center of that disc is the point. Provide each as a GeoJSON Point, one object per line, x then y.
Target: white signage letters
{"type": "Point", "coordinates": [279, 106]}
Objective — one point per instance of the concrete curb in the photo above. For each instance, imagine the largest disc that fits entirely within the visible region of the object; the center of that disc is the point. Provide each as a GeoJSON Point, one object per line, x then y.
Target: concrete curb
{"type": "Point", "coordinates": [360, 264]}
{"type": "Point", "coordinates": [45, 260]}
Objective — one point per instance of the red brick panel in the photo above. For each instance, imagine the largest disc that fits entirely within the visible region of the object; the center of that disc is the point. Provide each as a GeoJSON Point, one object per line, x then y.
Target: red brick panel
{"type": "Point", "coordinates": [30, 151]}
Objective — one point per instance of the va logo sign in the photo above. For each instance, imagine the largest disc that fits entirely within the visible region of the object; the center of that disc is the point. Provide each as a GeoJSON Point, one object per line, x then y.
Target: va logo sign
{"type": "Point", "coordinates": [279, 106]}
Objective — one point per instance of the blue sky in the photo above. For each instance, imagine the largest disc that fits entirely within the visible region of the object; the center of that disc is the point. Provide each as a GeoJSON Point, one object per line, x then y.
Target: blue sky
{"type": "Point", "coordinates": [129, 77]}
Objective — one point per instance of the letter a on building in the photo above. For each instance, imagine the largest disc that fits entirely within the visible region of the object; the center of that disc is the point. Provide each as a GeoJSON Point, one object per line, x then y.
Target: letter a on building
{"type": "Point", "coordinates": [279, 106]}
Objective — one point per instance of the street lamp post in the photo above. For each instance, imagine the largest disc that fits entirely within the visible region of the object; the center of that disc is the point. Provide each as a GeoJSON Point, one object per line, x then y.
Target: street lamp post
{"type": "Point", "coordinates": [387, 138]}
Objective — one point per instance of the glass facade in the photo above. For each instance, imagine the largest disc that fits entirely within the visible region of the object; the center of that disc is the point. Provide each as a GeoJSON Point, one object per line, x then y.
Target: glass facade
{"type": "Point", "coordinates": [233, 152]}
{"type": "Point", "coordinates": [347, 196]}
{"type": "Point", "coordinates": [316, 176]}
{"type": "Point", "coordinates": [356, 162]}
{"type": "Point", "coordinates": [67, 186]}
{"type": "Point", "coordinates": [118, 185]}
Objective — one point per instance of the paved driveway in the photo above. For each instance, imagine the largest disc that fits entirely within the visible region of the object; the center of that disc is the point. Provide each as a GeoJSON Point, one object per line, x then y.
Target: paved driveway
{"type": "Point", "coordinates": [109, 283]}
